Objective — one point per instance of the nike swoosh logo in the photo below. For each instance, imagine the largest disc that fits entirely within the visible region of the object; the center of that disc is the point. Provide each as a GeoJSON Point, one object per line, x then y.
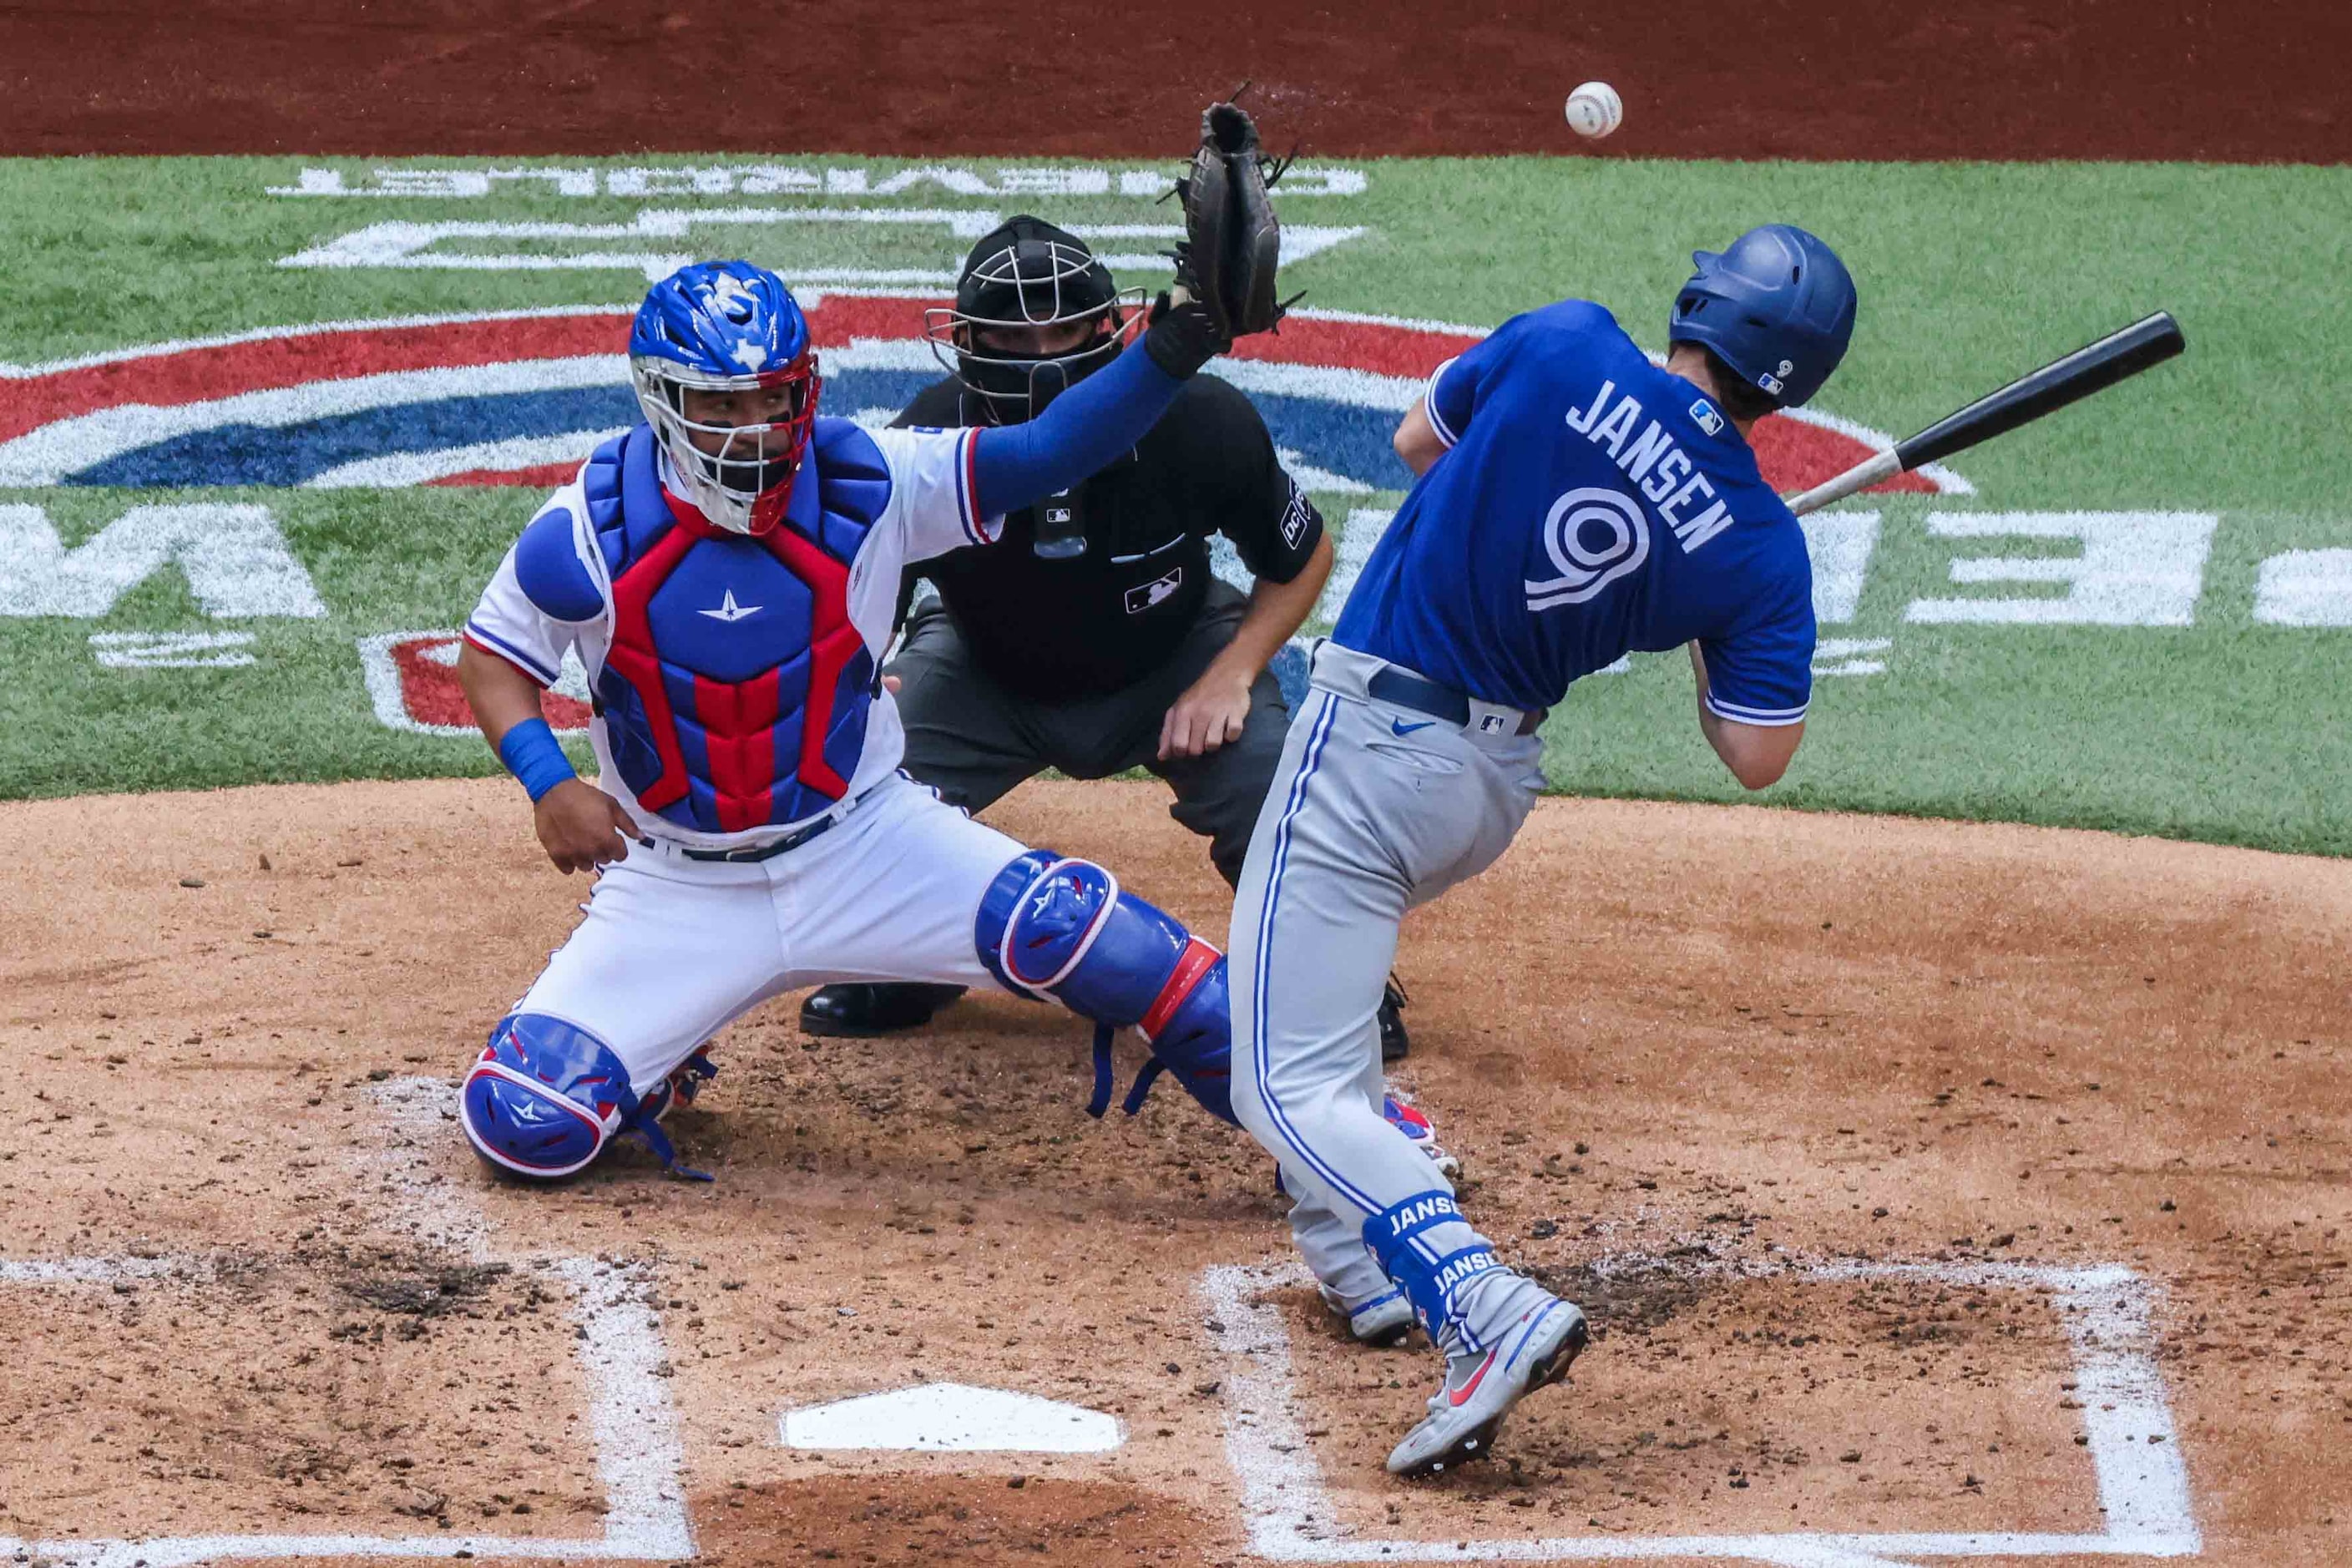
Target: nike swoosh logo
{"type": "Point", "coordinates": [1457, 1398]}
{"type": "Point", "coordinates": [1402, 728]}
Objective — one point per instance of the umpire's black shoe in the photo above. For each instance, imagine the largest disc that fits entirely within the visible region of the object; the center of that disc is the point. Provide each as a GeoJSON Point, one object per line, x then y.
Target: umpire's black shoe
{"type": "Point", "coordinates": [874, 1009]}
{"type": "Point", "coordinates": [1396, 1044]}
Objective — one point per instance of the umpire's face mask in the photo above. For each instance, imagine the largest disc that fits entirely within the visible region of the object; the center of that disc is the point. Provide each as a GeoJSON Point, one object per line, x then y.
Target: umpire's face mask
{"type": "Point", "coordinates": [1020, 369]}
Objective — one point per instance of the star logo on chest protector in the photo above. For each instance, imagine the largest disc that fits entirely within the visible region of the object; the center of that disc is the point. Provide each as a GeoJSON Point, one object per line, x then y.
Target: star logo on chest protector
{"type": "Point", "coordinates": [728, 610]}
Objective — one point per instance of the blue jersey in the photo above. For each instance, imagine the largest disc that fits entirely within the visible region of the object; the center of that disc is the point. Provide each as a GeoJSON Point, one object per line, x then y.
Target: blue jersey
{"type": "Point", "coordinates": [1589, 504]}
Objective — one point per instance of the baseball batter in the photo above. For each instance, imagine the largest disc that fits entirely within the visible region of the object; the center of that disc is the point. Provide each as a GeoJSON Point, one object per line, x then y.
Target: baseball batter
{"type": "Point", "coordinates": [1574, 503]}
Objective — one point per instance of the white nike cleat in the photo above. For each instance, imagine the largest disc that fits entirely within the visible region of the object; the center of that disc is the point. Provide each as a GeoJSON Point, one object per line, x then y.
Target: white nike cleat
{"type": "Point", "coordinates": [1383, 1322]}
{"type": "Point", "coordinates": [1468, 1407]}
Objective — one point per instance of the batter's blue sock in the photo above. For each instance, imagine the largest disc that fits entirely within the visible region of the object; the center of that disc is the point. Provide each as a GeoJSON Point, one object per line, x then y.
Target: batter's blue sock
{"type": "Point", "coordinates": [1425, 1245]}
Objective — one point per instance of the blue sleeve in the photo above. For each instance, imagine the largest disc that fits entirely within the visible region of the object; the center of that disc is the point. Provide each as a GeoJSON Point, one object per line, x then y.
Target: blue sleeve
{"type": "Point", "coordinates": [1762, 673]}
{"type": "Point", "coordinates": [549, 571]}
{"type": "Point", "coordinates": [1453, 394]}
{"type": "Point", "coordinates": [1476, 375]}
{"type": "Point", "coordinates": [1076, 437]}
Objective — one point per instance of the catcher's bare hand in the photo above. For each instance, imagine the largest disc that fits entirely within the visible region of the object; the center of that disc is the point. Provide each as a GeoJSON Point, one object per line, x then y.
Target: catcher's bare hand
{"type": "Point", "coordinates": [582, 828]}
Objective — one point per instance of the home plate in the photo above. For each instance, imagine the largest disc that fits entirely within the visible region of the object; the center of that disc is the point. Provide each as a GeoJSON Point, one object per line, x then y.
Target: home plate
{"type": "Point", "coordinates": [953, 1417]}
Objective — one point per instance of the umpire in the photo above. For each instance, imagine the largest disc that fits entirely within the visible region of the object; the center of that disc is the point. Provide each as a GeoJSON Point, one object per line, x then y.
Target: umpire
{"type": "Point", "coordinates": [1092, 638]}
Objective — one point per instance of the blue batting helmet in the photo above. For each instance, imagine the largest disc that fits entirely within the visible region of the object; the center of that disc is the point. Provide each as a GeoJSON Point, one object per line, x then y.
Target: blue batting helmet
{"type": "Point", "coordinates": [730, 327]}
{"type": "Point", "coordinates": [1776, 306]}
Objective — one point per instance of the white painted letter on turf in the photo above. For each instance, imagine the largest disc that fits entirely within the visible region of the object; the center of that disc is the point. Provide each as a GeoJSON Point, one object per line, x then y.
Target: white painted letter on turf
{"type": "Point", "coordinates": [2137, 568]}
{"type": "Point", "coordinates": [236, 560]}
{"type": "Point", "coordinates": [1841, 543]}
{"type": "Point", "coordinates": [2305, 588]}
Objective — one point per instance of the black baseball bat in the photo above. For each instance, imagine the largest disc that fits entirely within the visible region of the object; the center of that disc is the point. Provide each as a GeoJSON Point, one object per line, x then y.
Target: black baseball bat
{"type": "Point", "coordinates": [2090, 369]}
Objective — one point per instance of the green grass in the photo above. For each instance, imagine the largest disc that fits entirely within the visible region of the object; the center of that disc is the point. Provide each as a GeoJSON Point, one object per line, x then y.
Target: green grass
{"type": "Point", "coordinates": [2226, 730]}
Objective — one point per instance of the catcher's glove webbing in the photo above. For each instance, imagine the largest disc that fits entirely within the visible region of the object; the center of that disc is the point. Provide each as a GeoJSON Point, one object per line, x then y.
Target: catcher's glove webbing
{"type": "Point", "coordinates": [1232, 248]}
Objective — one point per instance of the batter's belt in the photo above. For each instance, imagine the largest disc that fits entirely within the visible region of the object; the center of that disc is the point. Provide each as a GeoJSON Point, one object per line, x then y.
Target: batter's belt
{"type": "Point", "coordinates": [1368, 677]}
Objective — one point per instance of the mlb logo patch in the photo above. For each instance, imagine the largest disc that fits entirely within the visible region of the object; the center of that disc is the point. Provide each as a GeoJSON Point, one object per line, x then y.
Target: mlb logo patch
{"type": "Point", "coordinates": [1708, 419]}
{"type": "Point", "coordinates": [1490, 723]}
{"type": "Point", "coordinates": [1142, 596]}
{"type": "Point", "coordinates": [1057, 517]}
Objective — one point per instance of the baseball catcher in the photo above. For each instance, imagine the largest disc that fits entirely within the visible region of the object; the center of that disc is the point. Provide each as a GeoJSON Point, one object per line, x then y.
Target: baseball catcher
{"type": "Point", "coordinates": [728, 573]}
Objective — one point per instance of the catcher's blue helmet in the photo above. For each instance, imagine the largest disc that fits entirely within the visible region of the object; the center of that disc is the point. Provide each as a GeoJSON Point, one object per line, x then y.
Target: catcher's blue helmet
{"type": "Point", "coordinates": [1776, 306]}
{"type": "Point", "coordinates": [726, 326]}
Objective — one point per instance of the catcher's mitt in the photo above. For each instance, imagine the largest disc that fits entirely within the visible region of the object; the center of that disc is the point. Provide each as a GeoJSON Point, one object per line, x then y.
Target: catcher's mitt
{"type": "Point", "coordinates": [1232, 243]}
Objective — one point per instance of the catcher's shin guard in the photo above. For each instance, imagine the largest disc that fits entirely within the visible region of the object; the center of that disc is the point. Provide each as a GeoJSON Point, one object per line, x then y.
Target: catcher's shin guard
{"type": "Point", "coordinates": [1051, 926]}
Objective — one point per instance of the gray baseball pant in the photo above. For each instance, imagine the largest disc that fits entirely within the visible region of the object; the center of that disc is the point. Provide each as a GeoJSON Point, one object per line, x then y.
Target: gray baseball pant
{"type": "Point", "coordinates": [1375, 808]}
{"type": "Point", "coordinates": [973, 741]}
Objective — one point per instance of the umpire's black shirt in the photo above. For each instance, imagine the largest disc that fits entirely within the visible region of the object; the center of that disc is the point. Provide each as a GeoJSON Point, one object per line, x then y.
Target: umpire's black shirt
{"type": "Point", "coordinates": [1057, 630]}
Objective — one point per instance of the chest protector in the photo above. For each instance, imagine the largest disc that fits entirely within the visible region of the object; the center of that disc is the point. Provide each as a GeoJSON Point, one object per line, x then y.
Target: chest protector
{"type": "Point", "coordinates": [736, 692]}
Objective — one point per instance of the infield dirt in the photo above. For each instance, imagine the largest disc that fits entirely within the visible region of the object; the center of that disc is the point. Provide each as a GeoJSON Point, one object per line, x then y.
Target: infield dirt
{"type": "Point", "coordinates": [1669, 1042]}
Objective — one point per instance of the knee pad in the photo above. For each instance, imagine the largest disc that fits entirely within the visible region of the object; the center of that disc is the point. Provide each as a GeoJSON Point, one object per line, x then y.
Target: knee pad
{"type": "Point", "coordinates": [545, 1097]}
{"type": "Point", "coordinates": [1062, 928]}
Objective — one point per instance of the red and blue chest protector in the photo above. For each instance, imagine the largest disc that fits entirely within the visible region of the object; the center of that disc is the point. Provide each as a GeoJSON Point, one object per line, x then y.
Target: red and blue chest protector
{"type": "Point", "coordinates": [736, 691]}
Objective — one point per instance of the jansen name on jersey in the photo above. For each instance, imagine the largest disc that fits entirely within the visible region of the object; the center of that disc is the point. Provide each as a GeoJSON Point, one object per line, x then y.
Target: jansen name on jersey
{"type": "Point", "coordinates": [1589, 504]}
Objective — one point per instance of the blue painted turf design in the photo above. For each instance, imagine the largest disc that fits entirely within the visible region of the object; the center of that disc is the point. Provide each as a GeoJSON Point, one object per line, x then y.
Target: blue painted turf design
{"type": "Point", "coordinates": [1340, 438]}
{"type": "Point", "coordinates": [289, 455]}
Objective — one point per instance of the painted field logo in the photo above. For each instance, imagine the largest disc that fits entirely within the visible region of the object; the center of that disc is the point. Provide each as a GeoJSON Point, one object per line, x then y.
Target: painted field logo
{"type": "Point", "coordinates": [521, 398]}
{"type": "Point", "coordinates": [412, 682]}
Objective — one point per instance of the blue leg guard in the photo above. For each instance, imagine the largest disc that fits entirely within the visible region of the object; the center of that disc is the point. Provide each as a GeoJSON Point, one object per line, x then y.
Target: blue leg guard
{"type": "Point", "coordinates": [545, 1098]}
{"type": "Point", "coordinates": [1062, 928]}
{"type": "Point", "coordinates": [1430, 1279]}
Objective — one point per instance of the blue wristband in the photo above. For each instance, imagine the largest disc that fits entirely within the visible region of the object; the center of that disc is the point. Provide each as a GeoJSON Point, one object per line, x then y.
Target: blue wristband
{"type": "Point", "coordinates": [535, 757]}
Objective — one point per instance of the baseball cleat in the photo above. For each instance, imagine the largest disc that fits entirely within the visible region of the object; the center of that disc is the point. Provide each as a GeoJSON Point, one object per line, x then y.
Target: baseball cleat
{"type": "Point", "coordinates": [1383, 1322]}
{"type": "Point", "coordinates": [856, 1010]}
{"type": "Point", "coordinates": [1468, 1407]}
{"type": "Point", "coordinates": [1414, 1122]}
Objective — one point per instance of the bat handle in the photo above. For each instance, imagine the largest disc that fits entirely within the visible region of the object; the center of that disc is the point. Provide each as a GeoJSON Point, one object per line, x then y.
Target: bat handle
{"type": "Point", "coordinates": [1861, 477]}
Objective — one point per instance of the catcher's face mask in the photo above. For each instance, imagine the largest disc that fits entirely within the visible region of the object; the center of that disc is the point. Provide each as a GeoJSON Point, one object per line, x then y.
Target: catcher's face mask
{"type": "Point", "coordinates": [1035, 313]}
{"type": "Point", "coordinates": [734, 442]}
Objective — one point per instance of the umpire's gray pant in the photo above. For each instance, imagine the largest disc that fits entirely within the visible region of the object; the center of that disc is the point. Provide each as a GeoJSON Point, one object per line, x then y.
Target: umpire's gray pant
{"type": "Point", "coordinates": [973, 741]}
{"type": "Point", "coordinates": [1374, 808]}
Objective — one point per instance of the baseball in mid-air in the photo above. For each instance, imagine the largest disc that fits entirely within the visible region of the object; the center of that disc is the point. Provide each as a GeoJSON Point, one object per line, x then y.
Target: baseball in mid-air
{"type": "Point", "coordinates": [1594, 110]}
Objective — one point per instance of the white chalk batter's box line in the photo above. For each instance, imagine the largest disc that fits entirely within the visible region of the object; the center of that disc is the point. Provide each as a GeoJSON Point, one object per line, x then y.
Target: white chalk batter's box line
{"type": "Point", "coordinates": [2143, 1481]}
{"type": "Point", "coordinates": [639, 1458]}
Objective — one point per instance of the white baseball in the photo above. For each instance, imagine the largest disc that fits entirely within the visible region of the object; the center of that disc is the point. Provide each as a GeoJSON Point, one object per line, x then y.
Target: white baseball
{"type": "Point", "coordinates": [1594, 110]}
